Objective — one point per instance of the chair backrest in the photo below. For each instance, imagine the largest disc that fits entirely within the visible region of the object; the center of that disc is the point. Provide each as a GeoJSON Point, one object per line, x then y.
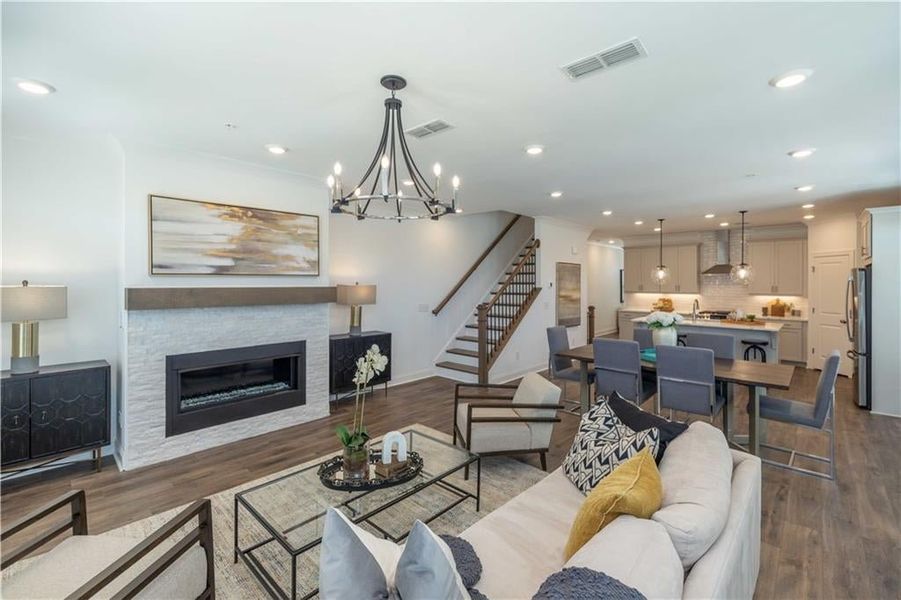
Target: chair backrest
{"type": "Point", "coordinates": [644, 337]}
{"type": "Point", "coordinates": [535, 389]}
{"type": "Point", "coordinates": [617, 368]}
{"type": "Point", "coordinates": [826, 387]}
{"type": "Point", "coordinates": [685, 379]}
{"type": "Point", "coordinates": [723, 346]}
{"type": "Point", "coordinates": [558, 341]}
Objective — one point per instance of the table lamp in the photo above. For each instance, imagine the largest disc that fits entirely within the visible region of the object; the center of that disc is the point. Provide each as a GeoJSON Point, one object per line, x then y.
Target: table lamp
{"type": "Point", "coordinates": [25, 305]}
{"type": "Point", "coordinates": [356, 296]}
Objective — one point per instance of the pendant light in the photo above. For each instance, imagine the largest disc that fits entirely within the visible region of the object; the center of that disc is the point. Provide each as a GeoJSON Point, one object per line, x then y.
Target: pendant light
{"type": "Point", "coordinates": [661, 271]}
{"type": "Point", "coordinates": [742, 272]}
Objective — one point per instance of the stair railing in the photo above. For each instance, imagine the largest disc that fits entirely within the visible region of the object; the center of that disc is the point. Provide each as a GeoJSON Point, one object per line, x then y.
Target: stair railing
{"type": "Point", "coordinates": [475, 265]}
{"type": "Point", "coordinates": [496, 322]}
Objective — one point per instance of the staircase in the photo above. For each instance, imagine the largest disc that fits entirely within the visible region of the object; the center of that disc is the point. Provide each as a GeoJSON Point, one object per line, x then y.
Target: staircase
{"type": "Point", "coordinates": [476, 348]}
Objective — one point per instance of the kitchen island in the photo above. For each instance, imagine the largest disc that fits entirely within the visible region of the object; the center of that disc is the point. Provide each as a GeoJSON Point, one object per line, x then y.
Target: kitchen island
{"type": "Point", "coordinates": [767, 332]}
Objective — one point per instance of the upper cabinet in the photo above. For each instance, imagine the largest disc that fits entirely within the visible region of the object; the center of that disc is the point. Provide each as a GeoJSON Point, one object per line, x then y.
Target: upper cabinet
{"type": "Point", "coordinates": [864, 238]}
{"type": "Point", "coordinates": [779, 266]}
{"type": "Point", "coordinates": [639, 263]}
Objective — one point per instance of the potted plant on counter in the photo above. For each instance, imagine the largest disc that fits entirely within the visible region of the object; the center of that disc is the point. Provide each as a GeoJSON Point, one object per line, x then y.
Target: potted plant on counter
{"type": "Point", "coordinates": [356, 439]}
{"type": "Point", "coordinates": [663, 327]}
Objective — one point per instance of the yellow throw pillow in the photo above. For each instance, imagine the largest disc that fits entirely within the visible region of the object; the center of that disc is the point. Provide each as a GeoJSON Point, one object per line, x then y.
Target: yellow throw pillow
{"type": "Point", "coordinates": [633, 488]}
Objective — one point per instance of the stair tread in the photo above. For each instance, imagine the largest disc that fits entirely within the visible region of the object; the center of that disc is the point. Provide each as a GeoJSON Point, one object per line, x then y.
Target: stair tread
{"type": "Point", "coordinates": [463, 352]}
{"type": "Point", "coordinates": [446, 364]}
{"type": "Point", "coordinates": [475, 326]}
{"type": "Point", "coordinates": [468, 338]}
{"type": "Point", "coordinates": [495, 315]}
{"type": "Point", "coordinates": [511, 293]}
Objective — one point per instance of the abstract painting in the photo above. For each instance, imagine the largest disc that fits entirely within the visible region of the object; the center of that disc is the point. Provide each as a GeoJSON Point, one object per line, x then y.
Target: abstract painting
{"type": "Point", "coordinates": [188, 237]}
{"type": "Point", "coordinates": [569, 294]}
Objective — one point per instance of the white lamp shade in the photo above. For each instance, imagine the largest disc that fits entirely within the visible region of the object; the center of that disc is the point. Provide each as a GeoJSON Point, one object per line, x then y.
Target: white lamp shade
{"type": "Point", "coordinates": [32, 302]}
{"type": "Point", "coordinates": [356, 295]}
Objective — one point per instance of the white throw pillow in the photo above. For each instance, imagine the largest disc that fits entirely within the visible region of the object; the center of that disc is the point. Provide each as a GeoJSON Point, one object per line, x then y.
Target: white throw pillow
{"type": "Point", "coordinates": [637, 552]}
{"type": "Point", "coordinates": [696, 473]}
{"type": "Point", "coordinates": [427, 570]}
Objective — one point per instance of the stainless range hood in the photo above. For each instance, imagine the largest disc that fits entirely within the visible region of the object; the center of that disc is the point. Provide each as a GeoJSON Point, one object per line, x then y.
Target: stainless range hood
{"type": "Point", "coordinates": [723, 264]}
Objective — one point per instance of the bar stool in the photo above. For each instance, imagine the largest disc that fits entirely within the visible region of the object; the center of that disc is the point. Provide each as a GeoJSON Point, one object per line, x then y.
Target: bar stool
{"type": "Point", "coordinates": [680, 339]}
{"type": "Point", "coordinates": [755, 350]}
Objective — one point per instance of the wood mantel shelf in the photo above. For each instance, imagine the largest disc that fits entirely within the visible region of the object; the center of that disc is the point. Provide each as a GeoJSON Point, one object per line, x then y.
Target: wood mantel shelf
{"type": "Point", "coordinates": [163, 298]}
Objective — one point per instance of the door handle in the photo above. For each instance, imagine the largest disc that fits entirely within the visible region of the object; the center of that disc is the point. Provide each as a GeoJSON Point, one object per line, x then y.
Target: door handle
{"type": "Point", "coordinates": [848, 308]}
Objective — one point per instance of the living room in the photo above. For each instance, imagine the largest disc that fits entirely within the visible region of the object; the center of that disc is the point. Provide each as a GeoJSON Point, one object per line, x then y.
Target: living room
{"type": "Point", "coordinates": [230, 270]}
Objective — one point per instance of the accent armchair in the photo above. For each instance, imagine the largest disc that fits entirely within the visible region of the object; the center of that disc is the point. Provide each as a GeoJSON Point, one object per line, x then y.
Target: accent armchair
{"type": "Point", "coordinates": [507, 419]}
{"type": "Point", "coordinates": [84, 566]}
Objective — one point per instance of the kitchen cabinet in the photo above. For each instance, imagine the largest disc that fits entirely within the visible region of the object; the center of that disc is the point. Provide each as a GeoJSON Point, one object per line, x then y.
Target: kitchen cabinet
{"type": "Point", "coordinates": [625, 324]}
{"type": "Point", "coordinates": [779, 266]}
{"type": "Point", "coordinates": [793, 341]}
{"type": "Point", "coordinates": [639, 263]}
{"type": "Point", "coordinates": [687, 270]}
{"type": "Point", "coordinates": [864, 238]}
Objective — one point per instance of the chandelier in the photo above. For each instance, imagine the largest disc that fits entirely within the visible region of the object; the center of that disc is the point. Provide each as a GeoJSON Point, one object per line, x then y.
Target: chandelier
{"type": "Point", "coordinates": [380, 192]}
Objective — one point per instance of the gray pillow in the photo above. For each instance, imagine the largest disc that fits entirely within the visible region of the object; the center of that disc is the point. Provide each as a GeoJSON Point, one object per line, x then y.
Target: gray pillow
{"type": "Point", "coordinates": [582, 583]}
{"type": "Point", "coordinates": [427, 570]}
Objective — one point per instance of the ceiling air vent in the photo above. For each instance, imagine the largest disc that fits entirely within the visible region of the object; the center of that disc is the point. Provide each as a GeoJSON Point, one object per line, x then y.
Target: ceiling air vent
{"type": "Point", "coordinates": [427, 129]}
{"type": "Point", "coordinates": [605, 59]}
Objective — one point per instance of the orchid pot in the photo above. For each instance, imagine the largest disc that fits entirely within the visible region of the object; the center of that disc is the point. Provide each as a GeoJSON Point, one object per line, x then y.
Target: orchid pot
{"type": "Point", "coordinates": [663, 327]}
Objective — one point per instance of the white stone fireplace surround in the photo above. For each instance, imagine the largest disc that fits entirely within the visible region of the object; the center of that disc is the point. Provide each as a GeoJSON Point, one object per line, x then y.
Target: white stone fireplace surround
{"type": "Point", "coordinates": [151, 335]}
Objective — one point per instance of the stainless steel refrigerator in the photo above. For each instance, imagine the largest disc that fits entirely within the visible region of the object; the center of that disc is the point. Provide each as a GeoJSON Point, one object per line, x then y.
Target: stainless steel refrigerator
{"type": "Point", "coordinates": [858, 321]}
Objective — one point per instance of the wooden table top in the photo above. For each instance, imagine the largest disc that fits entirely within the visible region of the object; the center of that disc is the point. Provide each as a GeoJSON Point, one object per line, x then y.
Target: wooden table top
{"type": "Point", "coordinates": [742, 372]}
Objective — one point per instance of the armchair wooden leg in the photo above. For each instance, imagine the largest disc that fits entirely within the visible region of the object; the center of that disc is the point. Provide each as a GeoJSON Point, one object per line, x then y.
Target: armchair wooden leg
{"type": "Point", "coordinates": [543, 456]}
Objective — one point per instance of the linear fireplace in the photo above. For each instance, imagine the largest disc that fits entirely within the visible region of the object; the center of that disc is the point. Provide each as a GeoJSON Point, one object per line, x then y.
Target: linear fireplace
{"type": "Point", "coordinates": [210, 388]}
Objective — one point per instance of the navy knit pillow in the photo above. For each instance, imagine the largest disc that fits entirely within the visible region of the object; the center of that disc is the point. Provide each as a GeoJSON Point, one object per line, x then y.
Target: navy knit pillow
{"type": "Point", "coordinates": [639, 420]}
{"type": "Point", "coordinates": [581, 583]}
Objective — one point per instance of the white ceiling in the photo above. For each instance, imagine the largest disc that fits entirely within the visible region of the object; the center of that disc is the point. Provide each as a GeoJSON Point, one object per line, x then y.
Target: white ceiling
{"type": "Point", "coordinates": [673, 135]}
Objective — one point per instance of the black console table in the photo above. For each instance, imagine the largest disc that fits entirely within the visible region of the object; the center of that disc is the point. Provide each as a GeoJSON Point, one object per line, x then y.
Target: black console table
{"type": "Point", "coordinates": [58, 411]}
{"type": "Point", "coordinates": [345, 349]}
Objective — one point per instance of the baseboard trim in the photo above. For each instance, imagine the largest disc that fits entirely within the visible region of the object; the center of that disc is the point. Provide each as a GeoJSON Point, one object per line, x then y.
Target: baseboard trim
{"type": "Point", "coordinates": [505, 377]}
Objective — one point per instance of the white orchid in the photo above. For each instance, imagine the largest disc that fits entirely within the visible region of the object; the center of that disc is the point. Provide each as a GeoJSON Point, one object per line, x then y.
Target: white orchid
{"type": "Point", "coordinates": [661, 319]}
{"type": "Point", "coordinates": [368, 366]}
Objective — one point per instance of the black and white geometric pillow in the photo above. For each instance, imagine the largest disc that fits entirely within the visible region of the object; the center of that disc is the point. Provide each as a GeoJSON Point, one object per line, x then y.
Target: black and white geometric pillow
{"type": "Point", "coordinates": [602, 443]}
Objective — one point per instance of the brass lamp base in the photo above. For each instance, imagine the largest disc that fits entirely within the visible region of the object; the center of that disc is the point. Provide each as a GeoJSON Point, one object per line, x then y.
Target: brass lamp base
{"type": "Point", "coordinates": [24, 357]}
{"type": "Point", "coordinates": [356, 319]}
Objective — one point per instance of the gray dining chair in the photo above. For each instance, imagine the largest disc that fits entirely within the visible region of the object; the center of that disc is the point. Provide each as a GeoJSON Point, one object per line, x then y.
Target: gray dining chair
{"type": "Point", "coordinates": [564, 368]}
{"type": "Point", "coordinates": [644, 337]}
{"type": "Point", "coordinates": [808, 415]}
{"type": "Point", "coordinates": [686, 381]}
{"type": "Point", "coordinates": [617, 368]}
{"type": "Point", "coordinates": [723, 346]}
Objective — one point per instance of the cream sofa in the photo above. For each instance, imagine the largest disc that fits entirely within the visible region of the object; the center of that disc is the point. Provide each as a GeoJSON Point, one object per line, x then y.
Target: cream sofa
{"type": "Point", "coordinates": [521, 543]}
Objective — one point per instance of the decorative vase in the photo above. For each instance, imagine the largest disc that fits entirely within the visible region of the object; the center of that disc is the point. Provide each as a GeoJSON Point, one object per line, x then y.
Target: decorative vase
{"type": "Point", "coordinates": [356, 462]}
{"type": "Point", "coordinates": [665, 336]}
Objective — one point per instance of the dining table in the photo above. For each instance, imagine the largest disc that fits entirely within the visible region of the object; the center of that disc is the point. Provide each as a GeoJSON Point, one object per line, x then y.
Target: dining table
{"type": "Point", "coordinates": [756, 376]}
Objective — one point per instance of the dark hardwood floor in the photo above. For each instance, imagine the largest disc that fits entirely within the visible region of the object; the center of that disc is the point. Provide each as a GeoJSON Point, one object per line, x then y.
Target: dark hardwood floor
{"type": "Point", "coordinates": [821, 539]}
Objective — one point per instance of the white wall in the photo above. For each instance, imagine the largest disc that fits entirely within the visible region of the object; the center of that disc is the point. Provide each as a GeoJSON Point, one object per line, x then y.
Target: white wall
{"type": "Point", "coordinates": [61, 224]}
{"type": "Point", "coordinates": [414, 265]}
{"type": "Point", "coordinates": [886, 277]}
{"type": "Point", "coordinates": [604, 264]}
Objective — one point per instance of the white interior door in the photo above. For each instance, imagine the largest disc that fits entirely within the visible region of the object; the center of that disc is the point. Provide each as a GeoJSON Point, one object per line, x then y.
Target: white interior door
{"type": "Point", "coordinates": [828, 279]}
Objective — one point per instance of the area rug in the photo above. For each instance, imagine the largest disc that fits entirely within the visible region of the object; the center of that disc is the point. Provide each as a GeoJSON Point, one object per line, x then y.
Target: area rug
{"type": "Point", "coordinates": [502, 479]}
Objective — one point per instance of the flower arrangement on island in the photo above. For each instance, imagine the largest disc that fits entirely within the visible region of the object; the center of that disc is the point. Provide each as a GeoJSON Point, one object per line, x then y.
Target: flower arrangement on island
{"type": "Point", "coordinates": [660, 319]}
{"type": "Point", "coordinates": [356, 439]}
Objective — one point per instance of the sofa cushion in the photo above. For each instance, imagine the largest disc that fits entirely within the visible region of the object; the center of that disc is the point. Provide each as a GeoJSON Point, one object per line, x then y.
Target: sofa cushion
{"type": "Point", "coordinates": [637, 552]}
{"type": "Point", "coordinates": [696, 472]}
{"type": "Point", "coordinates": [601, 444]}
{"type": "Point", "coordinates": [639, 420]}
{"type": "Point", "coordinates": [426, 569]}
{"type": "Point", "coordinates": [633, 488]}
{"type": "Point", "coordinates": [521, 543]}
{"type": "Point", "coordinates": [77, 559]}
{"type": "Point", "coordinates": [494, 437]}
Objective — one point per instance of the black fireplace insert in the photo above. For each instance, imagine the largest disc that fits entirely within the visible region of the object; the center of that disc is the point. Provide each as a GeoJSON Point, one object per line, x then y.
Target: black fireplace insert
{"type": "Point", "coordinates": [210, 388]}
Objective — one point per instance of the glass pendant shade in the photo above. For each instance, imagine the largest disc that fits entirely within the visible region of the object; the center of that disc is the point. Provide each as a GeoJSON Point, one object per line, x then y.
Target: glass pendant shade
{"type": "Point", "coordinates": [660, 274]}
{"type": "Point", "coordinates": [742, 273]}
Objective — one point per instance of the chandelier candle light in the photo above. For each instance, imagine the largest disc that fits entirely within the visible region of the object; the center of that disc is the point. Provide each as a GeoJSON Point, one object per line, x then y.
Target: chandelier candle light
{"type": "Point", "coordinates": [377, 195]}
{"type": "Point", "coordinates": [742, 272]}
{"type": "Point", "coordinates": [661, 271]}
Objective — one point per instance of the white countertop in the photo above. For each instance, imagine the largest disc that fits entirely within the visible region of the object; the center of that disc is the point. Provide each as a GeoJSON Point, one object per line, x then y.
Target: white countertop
{"type": "Point", "coordinates": [687, 315]}
{"type": "Point", "coordinates": [769, 327]}
{"type": "Point", "coordinates": [786, 318]}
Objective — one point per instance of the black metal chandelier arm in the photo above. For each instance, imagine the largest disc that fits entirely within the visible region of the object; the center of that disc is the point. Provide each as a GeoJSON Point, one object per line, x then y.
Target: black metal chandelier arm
{"type": "Point", "coordinates": [412, 167]}
{"type": "Point", "coordinates": [375, 160]}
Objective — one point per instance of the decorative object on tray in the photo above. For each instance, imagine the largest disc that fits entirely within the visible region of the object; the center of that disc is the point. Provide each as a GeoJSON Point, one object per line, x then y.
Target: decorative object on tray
{"type": "Point", "coordinates": [356, 439]}
{"type": "Point", "coordinates": [663, 304]}
{"type": "Point", "coordinates": [394, 454]}
{"type": "Point", "coordinates": [188, 237]}
{"type": "Point", "coordinates": [663, 327]}
{"type": "Point", "coordinates": [332, 474]}
{"type": "Point", "coordinates": [778, 308]}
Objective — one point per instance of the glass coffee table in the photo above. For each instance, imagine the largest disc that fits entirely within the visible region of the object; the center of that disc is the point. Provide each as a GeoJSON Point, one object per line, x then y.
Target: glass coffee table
{"type": "Point", "coordinates": [278, 524]}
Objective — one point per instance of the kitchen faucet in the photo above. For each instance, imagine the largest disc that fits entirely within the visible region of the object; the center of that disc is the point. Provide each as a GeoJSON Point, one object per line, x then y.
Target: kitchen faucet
{"type": "Point", "coordinates": [695, 309]}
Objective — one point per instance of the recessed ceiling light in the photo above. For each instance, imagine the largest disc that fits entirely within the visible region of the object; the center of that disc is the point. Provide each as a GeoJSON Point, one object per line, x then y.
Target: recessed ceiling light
{"type": "Point", "coordinates": [808, 217]}
{"type": "Point", "coordinates": [458, 210]}
{"type": "Point", "coordinates": [724, 224]}
{"type": "Point", "coordinates": [33, 86]}
{"type": "Point", "coordinates": [807, 206]}
{"type": "Point", "coordinates": [804, 188]}
{"type": "Point", "coordinates": [639, 222]}
{"type": "Point", "coordinates": [408, 183]}
{"type": "Point", "coordinates": [230, 126]}
{"type": "Point", "coordinates": [803, 153]}
{"type": "Point", "coordinates": [556, 194]}
{"type": "Point", "coordinates": [534, 149]}
{"type": "Point", "coordinates": [791, 79]}
{"type": "Point", "coordinates": [656, 229]}
{"type": "Point", "coordinates": [276, 149]}
{"type": "Point", "coordinates": [709, 216]}
{"type": "Point", "coordinates": [611, 241]}
{"type": "Point", "coordinates": [607, 213]}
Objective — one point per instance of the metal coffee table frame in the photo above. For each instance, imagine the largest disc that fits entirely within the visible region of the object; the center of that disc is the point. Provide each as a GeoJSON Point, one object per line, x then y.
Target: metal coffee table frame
{"type": "Point", "coordinates": [268, 582]}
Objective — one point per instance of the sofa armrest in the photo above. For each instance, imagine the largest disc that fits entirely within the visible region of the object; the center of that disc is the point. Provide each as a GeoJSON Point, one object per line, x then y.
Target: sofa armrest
{"type": "Point", "coordinates": [202, 534]}
{"type": "Point", "coordinates": [78, 523]}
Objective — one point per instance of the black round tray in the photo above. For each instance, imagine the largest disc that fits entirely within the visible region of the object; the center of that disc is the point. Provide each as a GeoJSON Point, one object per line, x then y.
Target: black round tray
{"type": "Point", "coordinates": [331, 474]}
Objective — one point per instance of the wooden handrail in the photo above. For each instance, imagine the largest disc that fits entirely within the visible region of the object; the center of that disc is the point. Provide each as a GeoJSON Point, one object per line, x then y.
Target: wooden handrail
{"type": "Point", "coordinates": [475, 265]}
